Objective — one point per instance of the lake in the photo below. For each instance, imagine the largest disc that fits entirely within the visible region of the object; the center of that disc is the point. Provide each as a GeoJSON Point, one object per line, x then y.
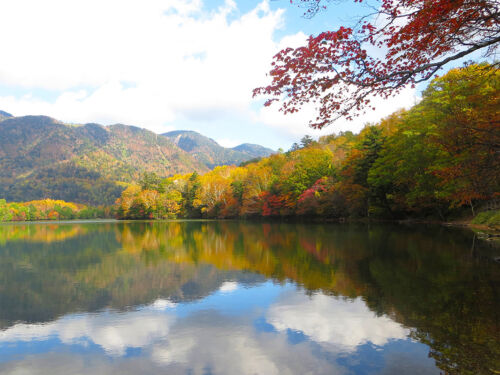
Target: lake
{"type": "Point", "coordinates": [229, 297]}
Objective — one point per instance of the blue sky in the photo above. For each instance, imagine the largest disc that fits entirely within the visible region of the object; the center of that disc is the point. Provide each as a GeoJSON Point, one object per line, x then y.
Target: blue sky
{"type": "Point", "coordinates": [162, 64]}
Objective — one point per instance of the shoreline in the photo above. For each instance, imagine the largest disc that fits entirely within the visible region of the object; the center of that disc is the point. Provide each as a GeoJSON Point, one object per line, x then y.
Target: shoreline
{"type": "Point", "coordinates": [457, 224]}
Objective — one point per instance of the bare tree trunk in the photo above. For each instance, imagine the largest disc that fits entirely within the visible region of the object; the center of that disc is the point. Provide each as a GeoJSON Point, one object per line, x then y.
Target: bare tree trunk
{"type": "Point", "coordinates": [472, 208]}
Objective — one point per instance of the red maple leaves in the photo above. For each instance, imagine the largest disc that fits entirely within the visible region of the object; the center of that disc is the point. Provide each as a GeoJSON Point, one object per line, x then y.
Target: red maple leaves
{"type": "Point", "coordinates": [337, 70]}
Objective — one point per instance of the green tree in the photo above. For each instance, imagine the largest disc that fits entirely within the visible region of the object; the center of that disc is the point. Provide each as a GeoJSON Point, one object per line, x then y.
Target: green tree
{"type": "Point", "coordinates": [151, 181]}
{"type": "Point", "coordinates": [191, 196]}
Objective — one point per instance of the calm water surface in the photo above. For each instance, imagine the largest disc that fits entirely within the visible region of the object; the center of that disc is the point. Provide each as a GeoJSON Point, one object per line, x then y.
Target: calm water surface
{"type": "Point", "coordinates": [246, 298]}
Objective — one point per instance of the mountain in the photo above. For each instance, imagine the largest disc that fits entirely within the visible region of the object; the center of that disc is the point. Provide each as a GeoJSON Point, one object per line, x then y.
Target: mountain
{"type": "Point", "coordinates": [253, 150]}
{"type": "Point", "coordinates": [4, 115]}
{"type": "Point", "coordinates": [41, 157]}
{"type": "Point", "coordinates": [210, 153]}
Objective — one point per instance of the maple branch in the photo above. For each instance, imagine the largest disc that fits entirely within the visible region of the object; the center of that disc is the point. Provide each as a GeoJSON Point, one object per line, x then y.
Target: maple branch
{"type": "Point", "coordinates": [420, 37]}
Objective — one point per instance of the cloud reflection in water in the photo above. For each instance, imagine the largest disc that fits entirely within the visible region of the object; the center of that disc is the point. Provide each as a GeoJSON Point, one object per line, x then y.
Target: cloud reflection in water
{"type": "Point", "coordinates": [207, 340]}
{"type": "Point", "coordinates": [346, 324]}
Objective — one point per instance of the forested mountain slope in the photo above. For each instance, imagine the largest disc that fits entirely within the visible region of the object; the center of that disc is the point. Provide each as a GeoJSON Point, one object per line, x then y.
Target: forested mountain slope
{"type": "Point", "coordinates": [4, 115]}
{"type": "Point", "coordinates": [41, 157]}
{"type": "Point", "coordinates": [253, 150]}
{"type": "Point", "coordinates": [210, 153]}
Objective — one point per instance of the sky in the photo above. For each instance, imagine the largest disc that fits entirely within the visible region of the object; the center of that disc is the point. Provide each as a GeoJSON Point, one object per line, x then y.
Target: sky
{"type": "Point", "coordinates": [163, 65]}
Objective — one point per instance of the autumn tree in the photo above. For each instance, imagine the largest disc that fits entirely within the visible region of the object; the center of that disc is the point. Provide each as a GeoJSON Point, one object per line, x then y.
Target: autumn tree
{"type": "Point", "coordinates": [461, 111]}
{"type": "Point", "coordinates": [5, 213]}
{"type": "Point", "coordinates": [339, 72]}
{"type": "Point", "coordinates": [214, 186]}
{"type": "Point", "coordinates": [256, 184]}
{"type": "Point", "coordinates": [445, 150]}
{"type": "Point", "coordinates": [150, 181]}
{"type": "Point", "coordinates": [401, 177]}
{"type": "Point", "coordinates": [305, 167]}
{"type": "Point", "coordinates": [191, 195]}
{"type": "Point", "coordinates": [144, 205]}
{"type": "Point", "coordinates": [169, 204]}
{"type": "Point", "coordinates": [125, 201]}
{"type": "Point", "coordinates": [308, 202]}
{"type": "Point", "coordinates": [306, 140]}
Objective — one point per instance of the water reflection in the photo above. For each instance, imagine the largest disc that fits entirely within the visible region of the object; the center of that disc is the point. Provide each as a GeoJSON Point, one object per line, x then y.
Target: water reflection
{"type": "Point", "coordinates": [204, 338]}
{"type": "Point", "coordinates": [231, 297]}
{"type": "Point", "coordinates": [343, 324]}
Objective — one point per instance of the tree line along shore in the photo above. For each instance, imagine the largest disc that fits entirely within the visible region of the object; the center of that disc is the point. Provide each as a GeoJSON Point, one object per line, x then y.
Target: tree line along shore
{"type": "Point", "coordinates": [439, 160]}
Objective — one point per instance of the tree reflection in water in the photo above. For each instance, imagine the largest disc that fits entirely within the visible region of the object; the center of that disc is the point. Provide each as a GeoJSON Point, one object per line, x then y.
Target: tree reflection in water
{"type": "Point", "coordinates": [425, 278]}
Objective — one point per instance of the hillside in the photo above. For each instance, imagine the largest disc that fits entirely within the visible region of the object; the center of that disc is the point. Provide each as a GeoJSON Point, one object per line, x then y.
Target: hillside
{"type": "Point", "coordinates": [253, 150]}
{"type": "Point", "coordinates": [41, 157]}
{"type": "Point", "coordinates": [4, 115]}
{"type": "Point", "coordinates": [210, 153]}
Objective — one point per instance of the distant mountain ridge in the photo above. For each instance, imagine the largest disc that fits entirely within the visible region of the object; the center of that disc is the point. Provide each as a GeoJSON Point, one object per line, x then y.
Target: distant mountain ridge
{"type": "Point", "coordinates": [41, 157]}
{"type": "Point", "coordinates": [251, 149]}
{"type": "Point", "coordinates": [4, 115]}
{"type": "Point", "coordinates": [210, 153]}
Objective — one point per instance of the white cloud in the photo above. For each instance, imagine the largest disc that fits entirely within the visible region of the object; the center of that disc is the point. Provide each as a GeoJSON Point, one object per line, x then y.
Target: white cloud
{"type": "Point", "coordinates": [176, 59]}
{"type": "Point", "coordinates": [199, 344]}
{"type": "Point", "coordinates": [297, 123]}
{"type": "Point", "coordinates": [228, 286]}
{"type": "Point", "coordinates": [235, 353]}
{"type": "Point", "coordinates": [114, 332]}
{"type": "Point", "coordinates": [151, 64]}
{"type": "Point", "coordinates": [162, 304]}
{"type": "Point", "coordinates": [227, 142]}
{"type": "Point", "coordinates": [333, 321]}
{"type": "Point", "coordinates": [178, 350]}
